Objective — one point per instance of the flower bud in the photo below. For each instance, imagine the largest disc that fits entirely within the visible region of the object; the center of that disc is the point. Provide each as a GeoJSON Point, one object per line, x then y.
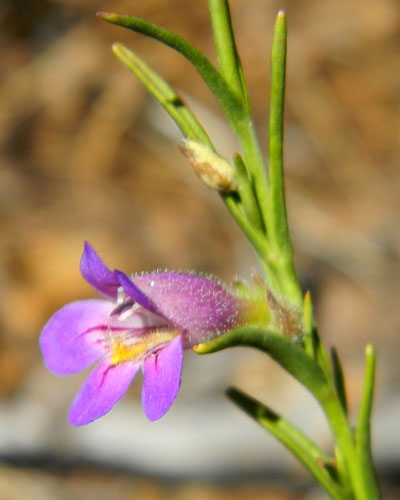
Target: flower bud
{"type": "Point", "coordinates": [214, 170]}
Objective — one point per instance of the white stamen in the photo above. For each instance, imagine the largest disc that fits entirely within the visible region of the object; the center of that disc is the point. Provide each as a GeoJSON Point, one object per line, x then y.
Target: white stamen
{"type": "Point", "coordinates": [121, 295]}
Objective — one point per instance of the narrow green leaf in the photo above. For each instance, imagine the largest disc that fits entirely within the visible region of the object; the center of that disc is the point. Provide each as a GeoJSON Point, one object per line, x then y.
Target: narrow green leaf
{"type": "Point", "coordinates": [298, 443]}
{"type": "Point", "coordinates": [225, 45]}
{"type": "Point", "coordinates": [277, 223]}
{"type": "Point", "coordinates": [363, 431]}
{"type": "Point", "coordinates": [230, 104]}
{"type": "Point", "coordinates": [338, 378]}
{"type": "Point", "coordinates": [163, 93]}
{"type": "Point", "coordinates": [291, 357]}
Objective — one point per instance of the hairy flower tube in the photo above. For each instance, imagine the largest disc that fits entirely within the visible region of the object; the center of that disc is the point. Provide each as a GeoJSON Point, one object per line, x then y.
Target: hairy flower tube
{"type": "Point", "coordinates": [146, 322]}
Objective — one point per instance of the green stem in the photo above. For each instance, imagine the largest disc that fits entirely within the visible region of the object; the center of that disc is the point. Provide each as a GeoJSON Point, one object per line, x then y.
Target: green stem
{"type": "Point", "coordinates": [344, 440]}
{"type": "Point", "coordinates": [363, 482]}
{"type": "Point", "coordinates": [231, 70]}
{"type": "Point", "coordinates": [255, 163]}
{"type": "Point", "coordinates": [356, 451]}
{"type": "Point", "coordinates": [246, 193]}
{"type": "Point", "coordinates": [239, 214]}
{"type": "Point", "coordinates": [307, 371]}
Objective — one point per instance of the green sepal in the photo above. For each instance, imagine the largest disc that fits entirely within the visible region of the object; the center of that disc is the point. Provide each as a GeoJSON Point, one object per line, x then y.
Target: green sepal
{"type": "Point", "coordinates": [241, 288]}
{"type": "Point", "coordinates": [252, 291]}
{"type": "Point", "coordinates": [314, 458]}
{"type": "Point", "coordinates": [228, 101]}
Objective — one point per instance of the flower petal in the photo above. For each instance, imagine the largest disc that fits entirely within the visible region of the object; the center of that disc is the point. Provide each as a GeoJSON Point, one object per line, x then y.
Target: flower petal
{"type": "Point", "coordinates": [105, 385]}
{"type": "Point", "coordinates": [162, 379]}
{"type": "Point", "coordinates": [97, 274]}
{"type": "Point", "coordinates": [133, 291]}
{"type": "Point", "coordinates": [200, 307]}
{"type": "Point", "coordinates": [70, 341]}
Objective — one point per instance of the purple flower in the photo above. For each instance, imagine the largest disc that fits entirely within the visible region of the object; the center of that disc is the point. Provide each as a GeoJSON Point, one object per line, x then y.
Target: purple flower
{"type": "Point", "coordinates": [146, 322]}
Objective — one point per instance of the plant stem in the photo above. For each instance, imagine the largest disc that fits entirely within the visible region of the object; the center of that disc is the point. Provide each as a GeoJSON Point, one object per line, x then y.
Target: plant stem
{"type": "Point", "coordinates": [346, 443]}
{"type": "Point", "coordinates": [231, 70]}
{"type": "Point", "coordinates": [254, 160]}
{"type": "Point", "coordinates": [300, 445]}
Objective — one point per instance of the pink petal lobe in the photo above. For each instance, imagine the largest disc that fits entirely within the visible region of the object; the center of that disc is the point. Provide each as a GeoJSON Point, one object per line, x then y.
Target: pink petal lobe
{"type": "Point", "coordinates": [162, 379]}
{"type": "Point", "coordinates": [105, 385]}
{"type": "Point", "coordinates": [97, 274]}
{"type": "Point", "coordinates": [70, 341]}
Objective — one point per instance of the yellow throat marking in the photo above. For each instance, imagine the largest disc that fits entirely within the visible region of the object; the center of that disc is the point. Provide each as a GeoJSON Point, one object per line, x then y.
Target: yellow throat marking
{"type": "Point", "coordinates": [122, 351]}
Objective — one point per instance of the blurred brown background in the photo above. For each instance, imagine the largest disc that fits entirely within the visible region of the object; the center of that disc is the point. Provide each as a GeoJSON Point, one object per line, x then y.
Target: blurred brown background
{"type": "Point", "coordinates": [86, 154]}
